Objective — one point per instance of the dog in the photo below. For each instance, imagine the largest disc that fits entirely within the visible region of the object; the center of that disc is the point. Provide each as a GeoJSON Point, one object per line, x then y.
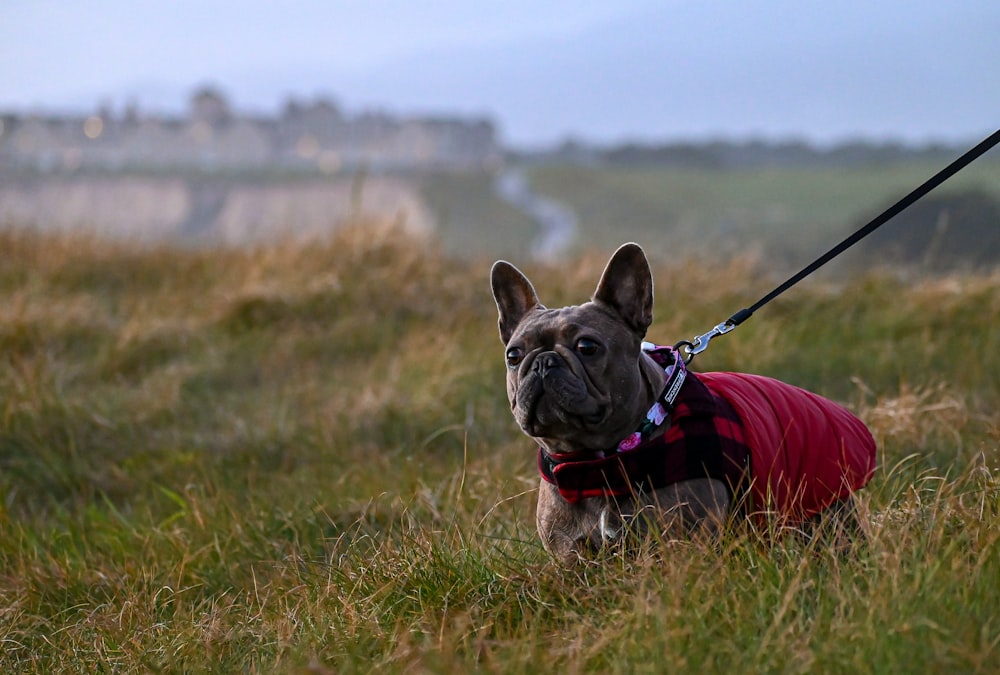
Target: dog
{"type": "Point", "coordinates": [629, 439]}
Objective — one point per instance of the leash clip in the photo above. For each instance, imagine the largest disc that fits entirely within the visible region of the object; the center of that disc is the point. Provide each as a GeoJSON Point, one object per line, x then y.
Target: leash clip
{"type": "Point", "coordinates": [699, 344]}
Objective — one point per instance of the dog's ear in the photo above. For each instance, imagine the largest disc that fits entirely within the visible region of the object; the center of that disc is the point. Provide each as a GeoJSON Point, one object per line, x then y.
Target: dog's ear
{"type": "Point", "coordinates": [627, 287]}
{"type": "Point", "coordinates": [514, 295]}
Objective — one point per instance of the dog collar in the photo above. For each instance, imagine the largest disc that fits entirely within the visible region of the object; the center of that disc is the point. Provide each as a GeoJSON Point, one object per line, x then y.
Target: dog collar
{"type": "Point", "coordinates": [673, 365]}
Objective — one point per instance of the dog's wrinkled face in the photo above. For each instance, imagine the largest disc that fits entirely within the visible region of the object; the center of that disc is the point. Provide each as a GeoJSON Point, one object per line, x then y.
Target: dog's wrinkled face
{"type": "Point", "coordinates": [575, 375]}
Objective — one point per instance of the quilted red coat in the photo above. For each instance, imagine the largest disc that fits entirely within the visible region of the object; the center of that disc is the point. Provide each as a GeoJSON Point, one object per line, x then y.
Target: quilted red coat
{"type": "Point", "coordinates": [806, 451]}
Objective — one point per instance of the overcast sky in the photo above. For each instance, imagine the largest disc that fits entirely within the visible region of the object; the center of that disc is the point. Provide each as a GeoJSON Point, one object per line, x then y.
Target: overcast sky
{"type": "Point", "coordinates": [629, 69]}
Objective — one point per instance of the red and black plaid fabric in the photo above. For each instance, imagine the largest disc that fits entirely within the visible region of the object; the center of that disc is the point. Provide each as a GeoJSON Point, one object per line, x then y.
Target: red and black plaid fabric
{"type": "Point", "coordinates": [705, 439]}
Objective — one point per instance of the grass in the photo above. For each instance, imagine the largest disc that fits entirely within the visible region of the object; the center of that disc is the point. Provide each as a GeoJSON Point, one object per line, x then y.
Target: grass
{"type": "Point", "coordinates": [786, 215]}
{"type": "Point", "coordinates": [472, 219]}
{"type": "Point", "coordinates": [299, 458]}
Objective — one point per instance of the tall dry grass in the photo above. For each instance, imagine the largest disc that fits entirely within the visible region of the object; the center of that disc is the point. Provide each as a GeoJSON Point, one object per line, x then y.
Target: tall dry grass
{"type": "Point", "coordinates": [299, 458]}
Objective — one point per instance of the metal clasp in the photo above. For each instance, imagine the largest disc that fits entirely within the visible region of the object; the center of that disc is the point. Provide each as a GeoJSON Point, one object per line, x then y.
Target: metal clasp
{"type": "Point", "coordinates": [699, 344]}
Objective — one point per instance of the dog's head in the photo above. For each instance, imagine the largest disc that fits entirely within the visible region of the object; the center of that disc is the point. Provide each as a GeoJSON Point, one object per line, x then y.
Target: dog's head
{"type": "Point", "coordinates": [576, 376]}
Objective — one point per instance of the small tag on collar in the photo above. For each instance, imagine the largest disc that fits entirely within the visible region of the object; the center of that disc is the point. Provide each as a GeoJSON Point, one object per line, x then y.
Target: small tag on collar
{"type": "Point", "coordinates": [673, 366]}
{"type": "Point", "coordinates": [674, 383]}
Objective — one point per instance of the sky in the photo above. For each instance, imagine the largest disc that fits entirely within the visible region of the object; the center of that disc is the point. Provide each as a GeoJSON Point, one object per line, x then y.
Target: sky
{"type": "Point", "coordinates": [623, 71]}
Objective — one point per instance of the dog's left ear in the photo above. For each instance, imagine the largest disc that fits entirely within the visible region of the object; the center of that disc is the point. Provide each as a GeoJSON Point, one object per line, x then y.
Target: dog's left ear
{"type": "Point", "coordinates": [514, 295]}
{"type": "Point", "coordinates": [627, 287]}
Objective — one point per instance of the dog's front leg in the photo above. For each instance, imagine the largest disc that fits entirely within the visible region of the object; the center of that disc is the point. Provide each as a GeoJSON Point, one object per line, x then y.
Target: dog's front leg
{"type": "Point", "coordinates": [572, 531]}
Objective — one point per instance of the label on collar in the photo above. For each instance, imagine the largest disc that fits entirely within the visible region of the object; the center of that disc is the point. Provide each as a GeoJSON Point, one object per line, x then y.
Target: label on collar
{"type": "Point", "coordinates": [674, 387]}
{"type": "Point", "coordinates": [672, 363]}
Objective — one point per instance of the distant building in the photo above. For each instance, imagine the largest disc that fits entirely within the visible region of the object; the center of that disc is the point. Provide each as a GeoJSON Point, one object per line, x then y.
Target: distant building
{"type": "Point", "coordinates": [208, 105]}
{"type": "Point", "coordinates": [315, 136]}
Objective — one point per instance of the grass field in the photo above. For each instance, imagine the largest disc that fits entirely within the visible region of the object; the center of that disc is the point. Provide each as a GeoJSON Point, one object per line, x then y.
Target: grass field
{"type": "Point", "coordinates": [299, 458]}
{"type": "Point", "coordinates": [472, 220]}
{"type": "Point", "coordinates": [788, 216]}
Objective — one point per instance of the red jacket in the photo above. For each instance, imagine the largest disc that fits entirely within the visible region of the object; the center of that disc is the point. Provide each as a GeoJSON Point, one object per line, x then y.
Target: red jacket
{"type": "Point", "coordinates": [806, 452]}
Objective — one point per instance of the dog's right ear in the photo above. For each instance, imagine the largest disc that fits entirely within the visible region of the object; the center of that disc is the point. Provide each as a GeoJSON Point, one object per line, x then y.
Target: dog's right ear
{"type": "Point", "coordinates": [514, 295]}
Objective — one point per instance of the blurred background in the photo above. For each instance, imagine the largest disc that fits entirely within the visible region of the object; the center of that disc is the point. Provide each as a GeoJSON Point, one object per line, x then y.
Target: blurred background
{"type": "Point", "coordinates": [516, 129]}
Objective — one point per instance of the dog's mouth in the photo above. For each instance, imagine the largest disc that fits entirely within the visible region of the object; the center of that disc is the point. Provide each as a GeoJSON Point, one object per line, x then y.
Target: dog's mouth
{"type": "Point", "coordinates": [596, 418]}
{"type": "Point", "coordinates": [538, 417]}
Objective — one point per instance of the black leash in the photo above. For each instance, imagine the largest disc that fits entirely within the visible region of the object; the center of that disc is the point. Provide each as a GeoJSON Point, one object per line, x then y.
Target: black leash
{"type": "Point", "coordinates": [700, 343]}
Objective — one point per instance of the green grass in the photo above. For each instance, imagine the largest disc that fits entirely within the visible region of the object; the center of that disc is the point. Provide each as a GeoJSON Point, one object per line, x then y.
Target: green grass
{"type": "Point", "coordinates": [299, 458]}
{"type": "Point", "coordinates": [786, 216]}
{"type": "Point", "coordinates": [472, 220]}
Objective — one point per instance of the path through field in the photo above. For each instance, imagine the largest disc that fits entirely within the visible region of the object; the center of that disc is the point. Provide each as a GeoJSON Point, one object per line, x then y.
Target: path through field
{"type": "Point", "coordinates": [558, 222]}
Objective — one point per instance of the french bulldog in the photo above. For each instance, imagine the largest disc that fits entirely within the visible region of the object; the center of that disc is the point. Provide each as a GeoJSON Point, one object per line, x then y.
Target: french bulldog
{"type": "Point", "coordinates": [629, 439]}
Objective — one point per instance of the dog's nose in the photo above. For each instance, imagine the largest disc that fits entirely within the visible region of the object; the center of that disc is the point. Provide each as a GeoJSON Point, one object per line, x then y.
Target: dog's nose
{"type": "Point", "coordinates": [546, 362]}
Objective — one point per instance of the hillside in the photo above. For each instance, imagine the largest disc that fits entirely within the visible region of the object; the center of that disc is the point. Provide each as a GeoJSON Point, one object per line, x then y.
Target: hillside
{"type": "Point", "coordinates": [786, 215]}
{"type": "Point", "coordinates": [298, 457]}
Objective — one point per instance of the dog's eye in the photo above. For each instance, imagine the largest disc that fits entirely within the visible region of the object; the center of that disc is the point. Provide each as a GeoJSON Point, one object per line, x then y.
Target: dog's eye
{"type": "Point", "coordinates": [514, 356]}
{"type": "Point", "coordinates": [587, 347]}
